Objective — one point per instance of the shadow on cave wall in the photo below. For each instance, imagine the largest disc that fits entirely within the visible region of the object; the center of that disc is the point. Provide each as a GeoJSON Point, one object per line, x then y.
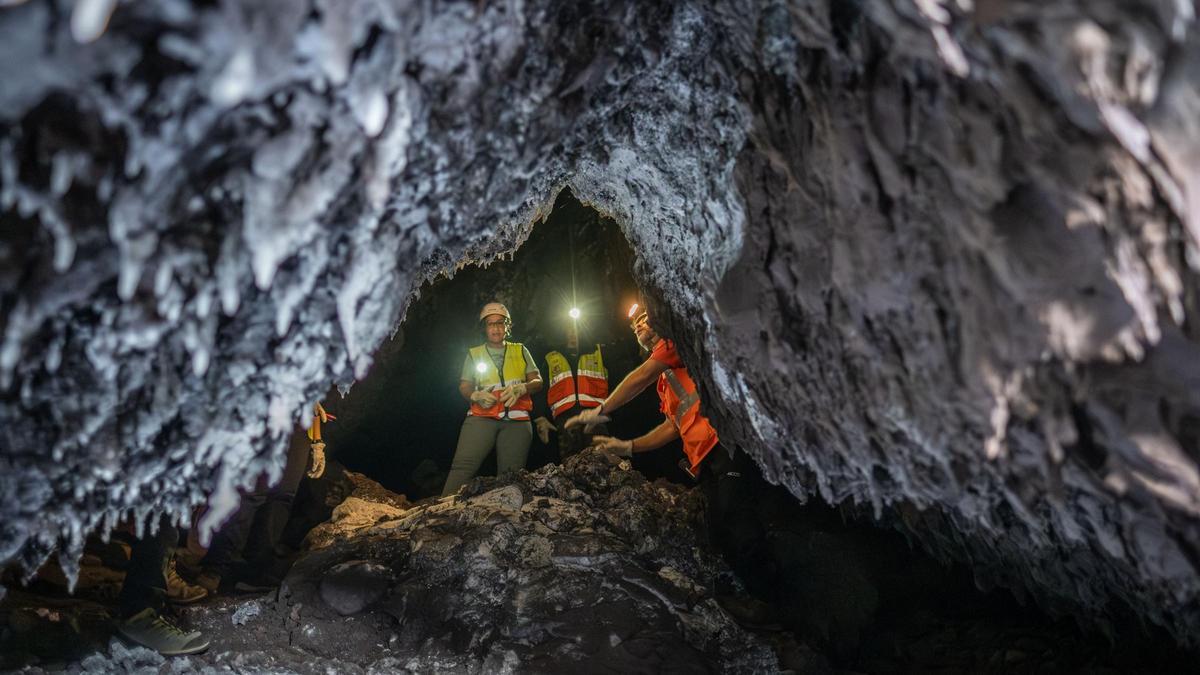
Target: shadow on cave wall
{"type": "Point", "coordinates": [408, 409]}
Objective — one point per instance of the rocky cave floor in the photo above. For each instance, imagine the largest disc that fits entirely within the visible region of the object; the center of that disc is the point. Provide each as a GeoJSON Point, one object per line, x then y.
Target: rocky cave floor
{"type": "Point", "coordinates": [580, 567]}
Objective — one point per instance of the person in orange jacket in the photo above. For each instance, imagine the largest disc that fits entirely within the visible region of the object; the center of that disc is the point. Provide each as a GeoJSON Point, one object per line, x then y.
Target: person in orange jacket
{"type": "Point", "coordinates": [724, 476]}
{"type": "Point", "coordinates": [680, 402]}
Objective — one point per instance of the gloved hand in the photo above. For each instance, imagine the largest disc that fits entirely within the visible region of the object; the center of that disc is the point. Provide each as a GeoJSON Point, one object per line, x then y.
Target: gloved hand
{"type": "Point", "coordinates": [589, 418]}
{"type": "Point", "coordinates": [318, 460]}
{"type": "Point", "coordinates": [484, 399]}
{"type": "Point", "coordinates": [512, 392]}
{"type": "Point", "coordinates": [544, 427]}
{"type": "Point", "coordinates": [612, 445]}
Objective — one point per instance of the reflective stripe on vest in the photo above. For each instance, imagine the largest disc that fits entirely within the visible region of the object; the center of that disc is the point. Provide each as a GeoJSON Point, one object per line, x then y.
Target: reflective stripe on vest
{"type": "Point", "coordinates": [591, 379]}
{"type": "Point", "coordinates": [489, 380]}
{"type": "Point", "coordinates": [681, 406]}
{"type": "Point", "coordinates": [561, 392]}
{"type": "Point", "coordinates": [587, 388]}
{"type": "Point", "coordinates": [686, 401]}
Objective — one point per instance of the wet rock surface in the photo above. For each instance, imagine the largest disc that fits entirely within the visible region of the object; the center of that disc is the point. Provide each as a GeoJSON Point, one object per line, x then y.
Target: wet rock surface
{"type": "Point", "coordinates": [934, 260]}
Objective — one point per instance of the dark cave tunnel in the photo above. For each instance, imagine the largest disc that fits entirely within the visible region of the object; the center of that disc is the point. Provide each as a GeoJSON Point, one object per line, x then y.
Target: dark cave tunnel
{"type": "Point", "coordinates": [862, 595]}
{"type": "Point", "coordinates": [866, 591]}
{"type": "Point", "coordinates": [933, 265]}
{"type": "Point", "coordinates": [408, 409]}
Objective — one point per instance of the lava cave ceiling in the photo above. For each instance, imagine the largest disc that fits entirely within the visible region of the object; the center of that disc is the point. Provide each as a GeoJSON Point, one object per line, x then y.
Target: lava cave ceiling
{"type": "Point", "coordinates": [937, 259]}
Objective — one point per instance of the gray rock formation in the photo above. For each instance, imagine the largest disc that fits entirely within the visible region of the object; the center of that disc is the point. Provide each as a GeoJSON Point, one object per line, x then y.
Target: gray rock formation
{"type": "Point", "coordinates": [936, 258]}
{"type": "Point", "coordinates": [586, 567]}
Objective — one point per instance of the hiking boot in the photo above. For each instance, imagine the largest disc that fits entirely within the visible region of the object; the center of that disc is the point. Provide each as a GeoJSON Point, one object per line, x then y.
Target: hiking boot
{"type": "Point", "coordinates": [149, 629]}
{"type": "Point", "coordinates": [181, 592]}
{"type": "Point", "coordinates": [210, 581]}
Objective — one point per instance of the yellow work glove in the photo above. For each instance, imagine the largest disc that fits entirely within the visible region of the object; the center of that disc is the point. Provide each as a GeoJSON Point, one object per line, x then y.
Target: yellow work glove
{"type": "Point", "coordinates": [544, 427]}
{"type": "Point", "coordinates": [588, 418]}
{"type": "Point", "coordinates": [318, 460]}
{"type": "Point", "coordinates": [614, 446]}
{"type": "Point", "coordinates": [484, 399]}
{"type": "Point", "coordinates": [512, 392]}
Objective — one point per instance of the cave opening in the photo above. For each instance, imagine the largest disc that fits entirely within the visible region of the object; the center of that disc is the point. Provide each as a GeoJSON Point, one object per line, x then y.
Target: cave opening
{"type": "Point", "coordinates": [854, 594]}
{"type": "Point", "coordinates": [935, 263]}
{"type": "Point", "coordinates": [399, 425]}
{"type": "Point", "coordinates": [858, 588]}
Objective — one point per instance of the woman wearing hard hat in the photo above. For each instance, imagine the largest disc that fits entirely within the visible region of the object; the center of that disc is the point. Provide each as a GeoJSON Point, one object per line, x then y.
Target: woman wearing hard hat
{"type": "Point", "coordinates": [497, 378]}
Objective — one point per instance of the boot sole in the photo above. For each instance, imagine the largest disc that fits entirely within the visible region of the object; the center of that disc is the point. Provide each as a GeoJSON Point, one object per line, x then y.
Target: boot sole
{"type": "Point", "coordinates": [188, 651]}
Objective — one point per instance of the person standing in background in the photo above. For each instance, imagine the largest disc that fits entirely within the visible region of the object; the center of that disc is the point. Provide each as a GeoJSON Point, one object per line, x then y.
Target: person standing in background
{"type": "Point", "coordinates": [497, 379]}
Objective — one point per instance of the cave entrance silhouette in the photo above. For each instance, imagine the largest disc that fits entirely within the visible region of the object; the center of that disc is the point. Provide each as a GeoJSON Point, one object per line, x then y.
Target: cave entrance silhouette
{"type": "Point", "coordinates": [400, 424]}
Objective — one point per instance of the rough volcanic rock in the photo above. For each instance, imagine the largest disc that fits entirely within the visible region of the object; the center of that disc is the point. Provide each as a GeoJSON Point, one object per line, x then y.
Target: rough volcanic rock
{"type": "Point", "coordinates": [939, 258]}
{"type": "Point", "coordinates": [584, 567]}
{"type": "Point", "coordinates": [369, 490]}
{"type": "Point", "coordinates": [349, 517]}
{"type": "Point", "coordinates": [586, 563]}
{"type": "Point", "coordinates": [368, 504]}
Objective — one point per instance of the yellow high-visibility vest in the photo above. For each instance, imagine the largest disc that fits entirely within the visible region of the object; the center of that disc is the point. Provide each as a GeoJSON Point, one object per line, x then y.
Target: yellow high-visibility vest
{"type": "Point", "coordinates": [488, 379]}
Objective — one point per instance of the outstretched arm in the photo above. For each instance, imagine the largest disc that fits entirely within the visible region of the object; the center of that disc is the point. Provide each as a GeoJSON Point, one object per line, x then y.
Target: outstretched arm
{"type": "Point", "coordinates": [657, 437]}
{"type": "Point", "coordinates": [634, 383]}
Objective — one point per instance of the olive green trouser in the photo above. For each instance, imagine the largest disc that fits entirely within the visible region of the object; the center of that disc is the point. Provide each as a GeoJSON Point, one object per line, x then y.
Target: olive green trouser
{"type": "Point", "coordinates": [479, 434]}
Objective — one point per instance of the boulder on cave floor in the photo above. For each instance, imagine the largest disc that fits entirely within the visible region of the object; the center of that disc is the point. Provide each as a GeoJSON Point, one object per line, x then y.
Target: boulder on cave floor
{"type": "Point", "coordinates": [367, 504]}
{"type": "Point", "coordinates": [583, 565]}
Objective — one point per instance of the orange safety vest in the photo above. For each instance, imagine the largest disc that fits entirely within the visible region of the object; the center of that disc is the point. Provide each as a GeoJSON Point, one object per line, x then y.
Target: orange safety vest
{"type": "Point", "coordinates": [587, 387]}
{"type": "Point", "coordinates": [681, 403]}
{"type": "Point", "coordinates": [487, 378]}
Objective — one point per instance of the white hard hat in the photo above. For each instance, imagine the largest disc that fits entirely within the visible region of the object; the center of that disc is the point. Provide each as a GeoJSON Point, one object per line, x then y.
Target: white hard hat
{"type": "Point", "coordinates": [494, 308]}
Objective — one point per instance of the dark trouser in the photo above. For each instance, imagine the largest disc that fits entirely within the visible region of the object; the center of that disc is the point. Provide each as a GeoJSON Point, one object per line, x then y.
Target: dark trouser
{"type": "Point", "coordinates": [573, 441]}
{"type": "Point", "coordinates": [145, 583]}
{"type": "Point", "coordinates": [252, 538]}
{"type": "Point", "coordinates": [475, 442]}
{"type": "Point", "coordinates": [729, 486]}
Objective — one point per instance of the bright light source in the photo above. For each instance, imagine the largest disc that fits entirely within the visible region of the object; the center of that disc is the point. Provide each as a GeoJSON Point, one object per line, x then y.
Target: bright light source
{"type": "Point", "coordinates": [574, 312]}
{"type": "Point", "coordinates": [633, 310]}
{"type": "Point", "coordinates": [480, 368]}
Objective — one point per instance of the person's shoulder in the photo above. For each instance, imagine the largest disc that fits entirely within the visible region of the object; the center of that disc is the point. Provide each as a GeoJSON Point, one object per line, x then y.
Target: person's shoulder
{"type": "Point", "coordinates": [664, 351]}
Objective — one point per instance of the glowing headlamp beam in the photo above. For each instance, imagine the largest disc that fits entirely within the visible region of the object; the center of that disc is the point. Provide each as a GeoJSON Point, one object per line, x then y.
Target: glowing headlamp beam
{"type": "Point", "coordinates": [575, 313]}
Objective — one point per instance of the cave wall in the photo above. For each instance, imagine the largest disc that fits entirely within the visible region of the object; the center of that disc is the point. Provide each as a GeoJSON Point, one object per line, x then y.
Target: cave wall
{"type": "Point", "coordinates": [408, 411]}
{"type": "Point", "coordinates": [982, 291]}
{"type": "Point", "coordinates": [938, 259]}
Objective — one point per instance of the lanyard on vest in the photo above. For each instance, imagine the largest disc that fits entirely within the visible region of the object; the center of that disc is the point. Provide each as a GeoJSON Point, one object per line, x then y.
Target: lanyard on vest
{"type": "Point", "coordinates": [686, 400]}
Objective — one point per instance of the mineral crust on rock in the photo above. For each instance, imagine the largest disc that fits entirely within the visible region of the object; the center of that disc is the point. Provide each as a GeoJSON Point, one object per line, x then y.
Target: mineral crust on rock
{"type": "Point", "coordinates": [936, 258]}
